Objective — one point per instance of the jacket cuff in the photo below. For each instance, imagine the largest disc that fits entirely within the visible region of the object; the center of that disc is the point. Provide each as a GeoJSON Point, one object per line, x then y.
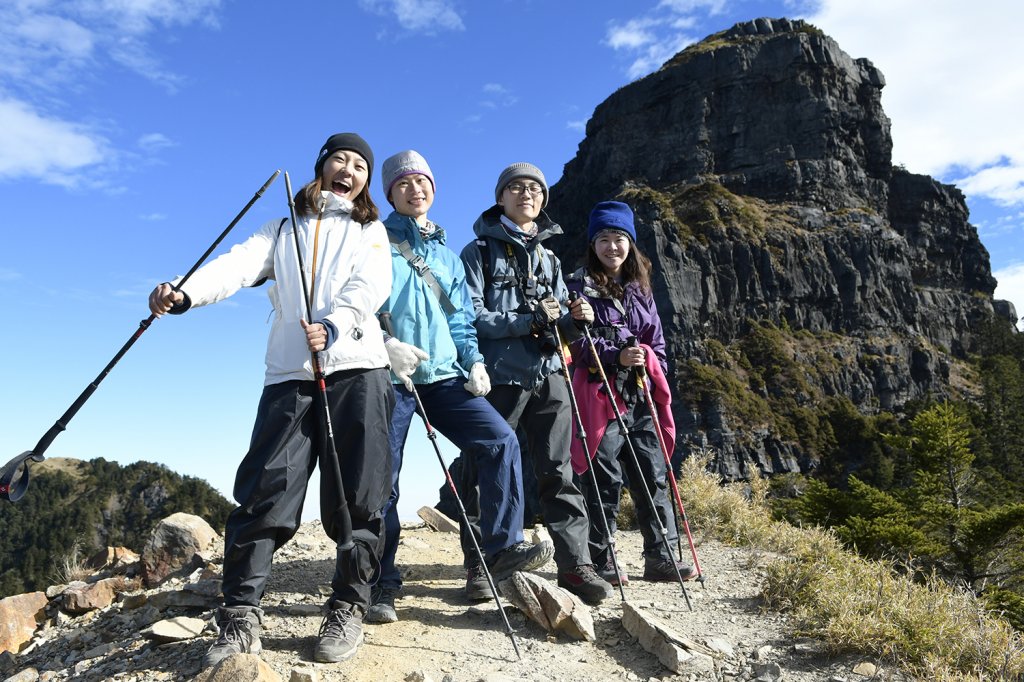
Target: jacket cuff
{"type": "Point", "coordinates": [179, 308]}
{"type": "Point", "coordinates": [332, 332]}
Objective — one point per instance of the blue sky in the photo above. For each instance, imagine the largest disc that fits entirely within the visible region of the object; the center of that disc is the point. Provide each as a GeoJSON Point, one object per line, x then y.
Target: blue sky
{"type": "Point", "coordinates": [132, 131]}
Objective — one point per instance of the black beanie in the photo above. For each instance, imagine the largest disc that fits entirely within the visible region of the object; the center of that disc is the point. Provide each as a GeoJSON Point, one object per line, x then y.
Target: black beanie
{"type": "Point", "coordinates": [349, 141]}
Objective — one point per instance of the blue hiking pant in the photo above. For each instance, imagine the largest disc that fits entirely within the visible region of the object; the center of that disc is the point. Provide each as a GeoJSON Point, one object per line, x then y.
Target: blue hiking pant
{"type": "Point", "coordinates": [479, 432]}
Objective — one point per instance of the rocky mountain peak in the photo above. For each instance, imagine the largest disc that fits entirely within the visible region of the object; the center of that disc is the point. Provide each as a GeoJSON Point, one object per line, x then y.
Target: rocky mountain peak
{"type": "Point", "coordinates": [758, 162]}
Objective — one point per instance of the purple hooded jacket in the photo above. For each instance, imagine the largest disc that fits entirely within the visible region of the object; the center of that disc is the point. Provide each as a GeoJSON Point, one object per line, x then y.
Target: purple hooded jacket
{"type": "Point", "coordinates": [638, 316]}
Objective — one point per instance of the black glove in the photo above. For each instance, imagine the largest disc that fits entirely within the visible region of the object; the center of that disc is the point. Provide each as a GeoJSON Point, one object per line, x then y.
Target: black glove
{"type": "Point", "coordinates": [546, 312]}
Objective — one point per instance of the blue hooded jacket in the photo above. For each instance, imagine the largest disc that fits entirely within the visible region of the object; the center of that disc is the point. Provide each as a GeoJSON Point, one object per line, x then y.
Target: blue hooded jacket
{"type": "Point", "coordinates": [416, 313]}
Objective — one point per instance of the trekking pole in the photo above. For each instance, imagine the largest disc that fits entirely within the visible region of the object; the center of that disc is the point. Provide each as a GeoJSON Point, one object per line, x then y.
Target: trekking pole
{"type": "Point", "coordinates": [344, 519]}
{"type": "Point", "coordinates": [676, 499]}
{"type": "Point", "coordinates": [385, 323]}
{"type": "Point", "coordinates": [636, 460]}
{"type": "Point", "coordinates": [581, 434]}
{"type": "Point", "coordinates": [14, 475]}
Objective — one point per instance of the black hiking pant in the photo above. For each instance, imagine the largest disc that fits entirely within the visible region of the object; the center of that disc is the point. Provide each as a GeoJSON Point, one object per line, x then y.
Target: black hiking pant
{"type": "Point", "coordinates": [545, 416]}
{"type": "Point", "coordinates": [270, 486]}
{"type": "Point", "coordinates": [611, 458]}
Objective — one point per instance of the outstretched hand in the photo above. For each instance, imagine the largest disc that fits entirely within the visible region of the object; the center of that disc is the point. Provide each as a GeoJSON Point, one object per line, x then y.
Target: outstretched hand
{"type": "Point", "coordinates": [163, 298]}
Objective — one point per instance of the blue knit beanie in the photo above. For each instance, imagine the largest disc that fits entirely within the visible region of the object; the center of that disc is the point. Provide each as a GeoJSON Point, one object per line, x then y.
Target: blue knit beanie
{"type": "Point", "coordinates": [611, 215]}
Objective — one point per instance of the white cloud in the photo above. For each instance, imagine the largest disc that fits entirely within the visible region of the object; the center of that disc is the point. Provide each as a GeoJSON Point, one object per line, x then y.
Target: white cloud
{"type": "Point", "coordinates": [1010, 287]}
{"type": "Point", "coordinates": [652, 39]}
{"type": "Point", "coordinates": [1004, 184]}
{"type": "Point", "coordinates": [658, 53]}
{"type": "Point", "coordinates": [953, 89]}
{"type": "Point", "coordinates": [8, 275]}
{"type": "Point", "coordinates": [34, 145]}
{"type": "Point", "coordinates": [47, 47]}
{"type": "Point", "coordinates": [686, 6]}
{"type": "Point", "coordinates": [420, 16]}
{"type": "Point", "coordinates": [579, 126]}
{"type": "Point", "coordinates": [498, 96]}
{"type": "Point", "coordinates": [154, 142]}
{"type": "Point", "coordinates": [632, 35]}
{"type": "Point", "coordinates": [58, 34]}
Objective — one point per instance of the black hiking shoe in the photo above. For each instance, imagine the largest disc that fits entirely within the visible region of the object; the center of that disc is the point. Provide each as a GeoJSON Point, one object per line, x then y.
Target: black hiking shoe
{"type": "Point", "coordinates": [607, 571]}
{"type": "Point", "coordinates": [660, 570]}
{"type": "Point", "coordinates": [239, 633]}
{"type": "Point", "coordinates": [341, 633]}
{"type": "Point", "coordinates": [382, 604]}
{"type": "Point", "coordinates": [585, 583]}
{"type": "Point", "coordinates": [477, 588]}
{"type": "Point", "coordinates": [521, 556]}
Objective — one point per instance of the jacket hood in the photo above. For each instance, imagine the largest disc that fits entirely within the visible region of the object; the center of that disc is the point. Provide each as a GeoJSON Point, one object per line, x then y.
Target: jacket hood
{"type": "Point", "coordinates": [405, 228]}
{"type": "Point", "coordinates": [489, 225]}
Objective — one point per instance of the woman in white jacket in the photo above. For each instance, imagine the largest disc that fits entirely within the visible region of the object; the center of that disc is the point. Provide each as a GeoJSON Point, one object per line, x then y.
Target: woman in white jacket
{"type": "Point", "coordinates": [347, 262]}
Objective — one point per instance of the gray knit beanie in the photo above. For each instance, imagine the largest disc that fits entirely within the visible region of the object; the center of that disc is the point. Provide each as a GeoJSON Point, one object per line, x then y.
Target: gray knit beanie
{"type": "Point", "coordinates": [401, 164]}
{"type": "Point", "coordinates": [520, 170]}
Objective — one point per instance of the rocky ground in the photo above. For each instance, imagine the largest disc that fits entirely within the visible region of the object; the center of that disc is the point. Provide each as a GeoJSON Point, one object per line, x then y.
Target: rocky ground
{"type": "Point", "coordinates": [441, 636]}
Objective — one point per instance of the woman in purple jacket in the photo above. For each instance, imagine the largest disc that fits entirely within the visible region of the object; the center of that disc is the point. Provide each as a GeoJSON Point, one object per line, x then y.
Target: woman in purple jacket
{"type": "Point", "coordinates": [616, 281]}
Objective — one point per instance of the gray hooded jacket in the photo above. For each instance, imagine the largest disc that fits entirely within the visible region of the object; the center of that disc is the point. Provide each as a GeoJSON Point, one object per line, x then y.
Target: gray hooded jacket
{"type": "Point", "coordinates": [503, 298]}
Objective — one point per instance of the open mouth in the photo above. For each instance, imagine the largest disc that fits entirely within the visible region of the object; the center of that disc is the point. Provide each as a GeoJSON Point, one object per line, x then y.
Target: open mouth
{"type": "Point", "coordinates": [341, 187]}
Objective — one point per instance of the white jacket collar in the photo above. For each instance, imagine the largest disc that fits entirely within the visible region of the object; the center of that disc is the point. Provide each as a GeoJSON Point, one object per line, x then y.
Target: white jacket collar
{"type": "Point", "coordinates": [332, 203]}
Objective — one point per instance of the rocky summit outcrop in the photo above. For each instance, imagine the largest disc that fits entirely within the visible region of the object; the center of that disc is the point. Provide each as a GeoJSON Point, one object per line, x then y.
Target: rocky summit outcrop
{"type": "Point", "coordinates": [793, 264]}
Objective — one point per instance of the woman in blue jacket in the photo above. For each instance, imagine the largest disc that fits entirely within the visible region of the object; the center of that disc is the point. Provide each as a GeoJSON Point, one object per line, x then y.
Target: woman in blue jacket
{"type": "Point", "coordinates": [434, 348]}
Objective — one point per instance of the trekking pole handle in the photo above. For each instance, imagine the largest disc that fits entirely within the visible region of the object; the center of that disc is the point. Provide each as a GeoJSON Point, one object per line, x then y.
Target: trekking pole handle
{"type": "Point", "coordinates": [634, 342]}
{"type": "Point", "coordinates": [385, 323]}
{"type": "Point", "coordinates": [575, 296]}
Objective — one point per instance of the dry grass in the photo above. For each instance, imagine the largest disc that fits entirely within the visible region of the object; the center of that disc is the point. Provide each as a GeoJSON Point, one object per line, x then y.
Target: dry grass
{"type": "Point", "coordinates": [932, 629]}
{"type": "Point", "coordinates": [73, 566]}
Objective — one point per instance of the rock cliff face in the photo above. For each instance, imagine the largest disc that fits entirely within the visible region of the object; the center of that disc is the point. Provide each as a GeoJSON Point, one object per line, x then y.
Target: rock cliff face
{"type": "Point", "coordinates": [758, 163]}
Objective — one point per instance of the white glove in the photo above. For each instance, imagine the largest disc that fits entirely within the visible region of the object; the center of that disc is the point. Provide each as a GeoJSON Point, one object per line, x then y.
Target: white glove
{"type": "Point", "coordinates": [404, 359]}
{"type": "Point", "coordinates": [479, 383]}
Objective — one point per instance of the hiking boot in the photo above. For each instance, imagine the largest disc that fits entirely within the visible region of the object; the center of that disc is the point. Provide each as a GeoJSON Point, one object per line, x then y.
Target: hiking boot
{"type": "Point", "coordinates": [660, 570]}
{"type": "Point", "coordinates": [585, 583]}
{"type": "Point", "coordinates": [477, 588]}
{"type": "Point", "coordinates": [239, 633]}
{"type": "Point", "coordinates": [521, 556]}
{"type": "Point", "coordinates": [607, 572]}
{"type": "Point", "coordinates": [341, 633]}
{"type": "Point", "coordinates": [382, 604]}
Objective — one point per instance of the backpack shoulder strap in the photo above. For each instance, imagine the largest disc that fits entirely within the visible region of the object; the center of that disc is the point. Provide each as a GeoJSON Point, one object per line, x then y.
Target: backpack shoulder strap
{"type": "Point", "coordinates": [419, 265]}
{"type": "Point", "coordinates": [485, 259]}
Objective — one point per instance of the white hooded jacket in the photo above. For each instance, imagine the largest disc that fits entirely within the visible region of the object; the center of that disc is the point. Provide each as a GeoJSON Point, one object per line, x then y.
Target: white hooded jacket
{"type": "Point", "coordinates": [353, 280]}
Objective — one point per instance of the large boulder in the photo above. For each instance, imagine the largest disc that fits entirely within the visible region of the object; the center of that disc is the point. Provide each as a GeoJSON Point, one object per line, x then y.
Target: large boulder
{"type": "Point", "coordinates": [19, 617]}
{"type": "Point", "coordinates": [179, 543]}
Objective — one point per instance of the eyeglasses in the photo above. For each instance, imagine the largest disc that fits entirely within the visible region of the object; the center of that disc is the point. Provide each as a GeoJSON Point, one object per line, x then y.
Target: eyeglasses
{"type": "Point", "coordinates": [518, 187]}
